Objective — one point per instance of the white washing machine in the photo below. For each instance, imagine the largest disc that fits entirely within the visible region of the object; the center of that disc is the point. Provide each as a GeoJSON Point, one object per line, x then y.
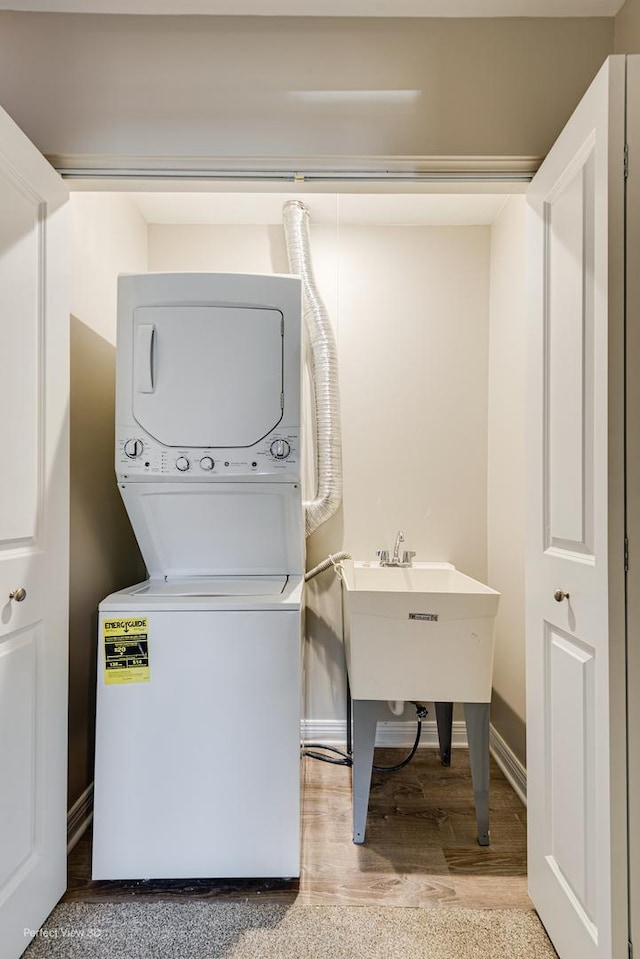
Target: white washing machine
{"type": "Point", "coordinates": [199, 668]}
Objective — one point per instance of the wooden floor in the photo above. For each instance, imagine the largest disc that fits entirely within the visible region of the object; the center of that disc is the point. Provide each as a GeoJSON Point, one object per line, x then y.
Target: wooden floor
{"type": "Point", "coordinates": [420, 848]}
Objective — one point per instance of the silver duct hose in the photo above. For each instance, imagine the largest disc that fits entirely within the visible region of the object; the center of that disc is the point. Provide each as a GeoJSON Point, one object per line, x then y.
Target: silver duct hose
{"type": "Point", "coordinates": [324, 371]}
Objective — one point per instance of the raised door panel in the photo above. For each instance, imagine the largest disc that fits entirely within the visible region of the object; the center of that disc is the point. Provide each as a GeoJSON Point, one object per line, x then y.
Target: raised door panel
{"type": "Point", "coordinates": [18, 711]}
{"type": "Point", "coordinates": [569, 387]}
{"type": "Point", "coordinates": [20, 362]}
{"type": "Point", "coordinates": [571, 829]}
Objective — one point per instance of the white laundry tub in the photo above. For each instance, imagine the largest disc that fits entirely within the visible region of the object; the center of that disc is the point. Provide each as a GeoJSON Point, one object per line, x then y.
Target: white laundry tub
{"type": "Point", "coordinates": [422, 633]}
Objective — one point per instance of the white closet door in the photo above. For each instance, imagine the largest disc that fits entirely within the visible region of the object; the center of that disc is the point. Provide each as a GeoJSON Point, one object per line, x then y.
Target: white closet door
{"type": "Point", "coordinates": [34, 520]}
{"type": "Point", "coordinates": [575, 537]}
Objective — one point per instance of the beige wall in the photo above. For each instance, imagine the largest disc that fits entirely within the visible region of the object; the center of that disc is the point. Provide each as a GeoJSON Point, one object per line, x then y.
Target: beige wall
{"type": "Point", "coordinates": [109, 236]}
{"type": "Point", "coordinates": [413, 326]}
{"type": "Point", "coordinates": [506, 468]}
{"type": "Point", "coordinates": [410, 306]}
{"type": "Point", "coordinates": [627, 28]}
{"type": "Point", "coordinates": [220, 86]}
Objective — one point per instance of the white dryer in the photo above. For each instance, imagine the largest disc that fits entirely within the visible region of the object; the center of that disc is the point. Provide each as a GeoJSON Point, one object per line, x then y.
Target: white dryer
{"type": "Point", "coordinates": [199, 668]}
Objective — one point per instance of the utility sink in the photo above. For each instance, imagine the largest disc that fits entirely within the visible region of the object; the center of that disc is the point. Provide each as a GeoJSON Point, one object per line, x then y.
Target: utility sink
{"type": "Point", "coordinates": [421, 633]}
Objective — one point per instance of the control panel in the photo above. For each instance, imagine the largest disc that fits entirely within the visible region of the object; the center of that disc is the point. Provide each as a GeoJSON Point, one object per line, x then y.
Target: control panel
{"type": "Point", "coordinates": [140, 456]}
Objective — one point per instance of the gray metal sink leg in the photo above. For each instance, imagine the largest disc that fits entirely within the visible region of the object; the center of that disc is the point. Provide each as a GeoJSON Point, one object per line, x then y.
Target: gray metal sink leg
{"type": "Point", "coordinates": [477, 719]}
{"type": "Point", "coordinates": [444, 720]}
{"type": "Point", "coordinates": [365, 718]}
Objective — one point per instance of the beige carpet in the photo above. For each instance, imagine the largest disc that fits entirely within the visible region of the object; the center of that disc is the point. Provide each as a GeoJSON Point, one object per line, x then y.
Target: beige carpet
{"type": "Point", "coordinates": [224, 930]}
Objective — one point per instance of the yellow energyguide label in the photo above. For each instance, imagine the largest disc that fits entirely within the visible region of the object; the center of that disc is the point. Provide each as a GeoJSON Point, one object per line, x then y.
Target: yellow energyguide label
{"type": "Point", "coordinates": [126, 650]}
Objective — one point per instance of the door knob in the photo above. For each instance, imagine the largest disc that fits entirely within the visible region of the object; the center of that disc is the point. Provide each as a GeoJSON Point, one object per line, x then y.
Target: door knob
{"type": "Point", "coordinates": [559, 595]}
{"type": "Point", "coordinates": [18, 594]}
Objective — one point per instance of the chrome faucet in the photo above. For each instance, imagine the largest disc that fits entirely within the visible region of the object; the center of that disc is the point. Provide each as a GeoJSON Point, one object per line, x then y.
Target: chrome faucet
{"type": "Point", "coordinates": [407, 554]}
{"type": "Point", "coordinates": [395, 559]}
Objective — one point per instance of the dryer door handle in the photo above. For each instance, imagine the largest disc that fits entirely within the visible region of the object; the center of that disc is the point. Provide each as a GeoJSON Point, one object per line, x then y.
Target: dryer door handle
{"type": "Point", "coordinates": [145, 358]}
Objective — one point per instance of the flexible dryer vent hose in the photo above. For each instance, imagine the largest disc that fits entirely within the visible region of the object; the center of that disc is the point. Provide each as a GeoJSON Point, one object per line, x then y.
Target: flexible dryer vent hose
{"type": "Point", "coordinates": [324, 371]}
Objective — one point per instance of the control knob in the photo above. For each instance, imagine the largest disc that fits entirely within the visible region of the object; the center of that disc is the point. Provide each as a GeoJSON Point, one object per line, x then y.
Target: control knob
{"type": "Point", "coordinates": [207, 463]}
{"type": "Point", "coordinates": [280, 449]}
{"type": "Point", "coordinates": [182, 463]}
{"type": "Point", "coordinates": [133, 448]}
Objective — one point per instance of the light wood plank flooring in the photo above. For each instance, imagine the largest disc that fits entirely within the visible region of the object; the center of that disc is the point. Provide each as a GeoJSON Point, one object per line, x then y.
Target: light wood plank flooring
{"type": "Point", "coordinates": [420, 847]}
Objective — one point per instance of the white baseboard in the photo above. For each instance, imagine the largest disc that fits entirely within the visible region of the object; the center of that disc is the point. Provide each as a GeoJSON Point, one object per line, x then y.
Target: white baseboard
{"type": "Point", "coordinates": [79, 817]}
{"type": "Point", "coordinates": [333, 732]}
{"type": "Point", "coordinates": [514, 771]}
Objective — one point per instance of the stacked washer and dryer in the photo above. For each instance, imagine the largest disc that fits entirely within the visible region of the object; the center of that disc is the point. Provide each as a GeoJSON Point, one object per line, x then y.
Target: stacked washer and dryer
{"type": "Point", "coordinates": [200, 667]}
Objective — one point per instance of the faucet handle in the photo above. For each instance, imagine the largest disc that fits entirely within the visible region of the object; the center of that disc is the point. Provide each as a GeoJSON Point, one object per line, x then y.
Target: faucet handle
{"type": "Point", "coordinates": [407, 556]}
{"type": "Point", "coordinates": [383, 556]}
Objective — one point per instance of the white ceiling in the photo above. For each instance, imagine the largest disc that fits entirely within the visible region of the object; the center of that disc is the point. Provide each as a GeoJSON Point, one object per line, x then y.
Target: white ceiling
{"type": "Point", "coordinates": [362, 209]}
{"type": "Point", "coordinates": [331, 8]}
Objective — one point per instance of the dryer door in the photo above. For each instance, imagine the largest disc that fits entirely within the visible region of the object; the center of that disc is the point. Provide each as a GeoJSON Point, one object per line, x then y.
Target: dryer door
{"type": "Point", "coordinates": [209, 376]}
